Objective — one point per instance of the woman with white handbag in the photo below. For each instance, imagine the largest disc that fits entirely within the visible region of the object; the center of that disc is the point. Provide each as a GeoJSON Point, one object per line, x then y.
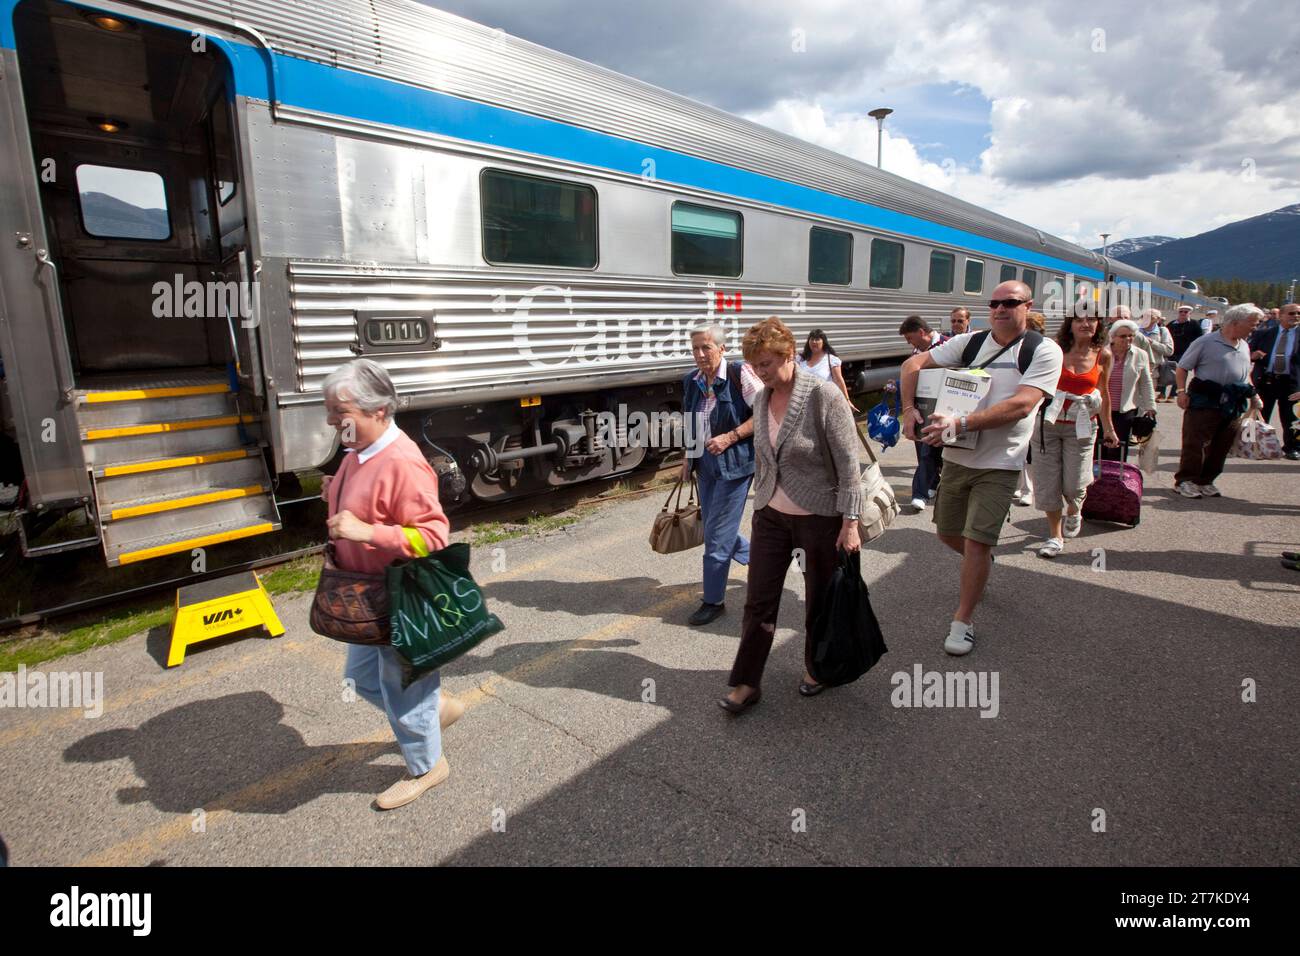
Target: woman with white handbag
{"type": "Point", "coordinates": [808, 499]}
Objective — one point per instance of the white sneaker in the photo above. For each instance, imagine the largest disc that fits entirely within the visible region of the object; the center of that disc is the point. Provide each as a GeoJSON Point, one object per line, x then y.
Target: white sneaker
{"type": "Point", "coordinates": [1051, 548]}
{"type": "Point", "coordinates": [918, 504]}
{"type": "Point", "coordinates": [1209, 491]}
{"type": "Point", "coordinates": [1187, 489]}
{"type": "Point", "coordinates": [1021, 498]}
{"type": "Point", "coordinates": [1073, 524]}
{"type": "Point", "coordinates": [961, 638]}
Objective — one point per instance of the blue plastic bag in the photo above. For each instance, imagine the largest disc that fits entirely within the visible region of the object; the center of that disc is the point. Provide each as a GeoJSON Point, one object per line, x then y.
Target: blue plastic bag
{"type": "Point", "coordinates": [882, 422]}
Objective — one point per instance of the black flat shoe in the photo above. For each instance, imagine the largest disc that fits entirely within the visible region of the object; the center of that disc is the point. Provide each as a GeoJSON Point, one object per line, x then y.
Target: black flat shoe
{"type": "Point", "coordinates": [1291, 555]}
{"type": "Point", "coordinates": [731, 707]}
{"type": "Point", "coordinates": [810, 690]}
{"type": "Point", "coordinates": [707, 612]}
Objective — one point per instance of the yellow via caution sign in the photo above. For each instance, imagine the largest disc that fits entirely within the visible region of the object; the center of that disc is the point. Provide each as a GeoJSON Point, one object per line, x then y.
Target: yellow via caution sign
{"type": "Point", "coordinates": [219, 607]}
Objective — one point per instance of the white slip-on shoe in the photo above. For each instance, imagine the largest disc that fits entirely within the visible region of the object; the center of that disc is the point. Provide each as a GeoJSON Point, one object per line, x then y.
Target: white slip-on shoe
{"type": "Point", "coordinates": [1187, 489]}
{"type": "Point", "coordinates": [961, 638]}
{"type": "Point", "coordinates": [1209, 491]}
{"type": "Point", "coordinates": [918, 504]}
{"type": "Point", "coordinates": [1073, 524]}
{"type": "Point", "coordinates": [409, 788]}
{"type": "Point", "coordinates": [1051, 548]}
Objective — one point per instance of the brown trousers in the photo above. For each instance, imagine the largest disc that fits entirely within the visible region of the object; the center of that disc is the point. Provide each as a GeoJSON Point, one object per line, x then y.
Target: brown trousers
{"type": "Point", "coordinates": [1207, 439]}
{"type": "Point", "coordinates": [773, 541]}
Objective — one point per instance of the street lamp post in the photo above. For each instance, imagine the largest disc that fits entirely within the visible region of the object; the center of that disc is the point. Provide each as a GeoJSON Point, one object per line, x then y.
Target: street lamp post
{"type": "Point", "coordinates": [1105, 236]}
{"type": "Point", "coordinates": [1157, 272]}
{"type": "Point", "coordinates": [880, 115]}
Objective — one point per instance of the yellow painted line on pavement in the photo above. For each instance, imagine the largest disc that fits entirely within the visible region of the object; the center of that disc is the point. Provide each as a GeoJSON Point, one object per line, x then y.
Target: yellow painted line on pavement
{"type": "Point", "coordinates": [148, 845]}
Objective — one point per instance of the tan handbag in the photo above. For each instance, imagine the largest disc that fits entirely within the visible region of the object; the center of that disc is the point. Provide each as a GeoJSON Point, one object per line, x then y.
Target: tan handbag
{"type": "Point", "coordinates": [879, 506]}
{"type": "Point", "coordinates": [680, 529]}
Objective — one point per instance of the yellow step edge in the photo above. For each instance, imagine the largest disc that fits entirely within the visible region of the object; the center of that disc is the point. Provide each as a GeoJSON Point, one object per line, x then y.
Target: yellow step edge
{"type": "Point", "coordinates": [160, 464]}
{"type": "Point", "coordinates": [133, 394]}
{"type": "Point", "coordinates": [171, 504]}
{"type": "Point", "coordinates": [158, 428]}
{"type": "Point", "coordinates": [130, 557]}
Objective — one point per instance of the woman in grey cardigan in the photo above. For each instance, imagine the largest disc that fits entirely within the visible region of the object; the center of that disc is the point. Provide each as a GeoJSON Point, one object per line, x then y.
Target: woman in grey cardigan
{"type": "Point", "coordinates": [807, 498]}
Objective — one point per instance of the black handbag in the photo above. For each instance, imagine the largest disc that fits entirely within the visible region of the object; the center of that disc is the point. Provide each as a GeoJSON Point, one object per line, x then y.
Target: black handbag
{"type": "Point", "coordinates": [1142, 427]}
{"type": "Point", "coordinates": [846, 637]}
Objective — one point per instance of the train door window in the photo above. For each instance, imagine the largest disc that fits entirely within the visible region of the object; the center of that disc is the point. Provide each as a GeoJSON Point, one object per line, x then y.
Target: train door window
{"type": "Point", "coordinates": [538, 222]}
{"type": "Point", "coordinates": [1030, 278]}
{"type": "Point", "coordinates": [123, 203]}
{"type": "Point", "coordinates": [706, 241]}
{"type": "Point", "coordinates": [942, 265]}
{"type": "Point", "coordinates": [830, 257]}
{"type": "Point", "coordinates": [974, 284]}
{"type": "Point", "coordinates": [886, 264]}
{"type": "Point", "coordinates": [1008, 274]}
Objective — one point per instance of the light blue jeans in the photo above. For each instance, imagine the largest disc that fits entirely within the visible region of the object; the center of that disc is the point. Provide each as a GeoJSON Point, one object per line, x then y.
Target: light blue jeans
{"type": "Point", "coordinates": [722, 502]}
{"type": "Point", "coordinates": [412, 713]}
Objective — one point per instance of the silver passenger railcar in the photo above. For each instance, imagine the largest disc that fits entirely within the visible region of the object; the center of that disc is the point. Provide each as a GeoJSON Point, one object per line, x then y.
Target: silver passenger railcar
{"type": "Point", "coordinates": [206, 207]}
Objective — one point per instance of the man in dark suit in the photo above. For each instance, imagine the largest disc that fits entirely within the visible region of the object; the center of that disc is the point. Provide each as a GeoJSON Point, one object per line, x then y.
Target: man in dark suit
{"type": "Point", "coordinates": [1276, 354]}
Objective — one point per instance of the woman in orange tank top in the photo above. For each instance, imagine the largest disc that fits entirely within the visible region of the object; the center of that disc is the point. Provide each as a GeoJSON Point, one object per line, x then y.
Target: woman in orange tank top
{"type": "Point", "coordinates": [1065, 432]}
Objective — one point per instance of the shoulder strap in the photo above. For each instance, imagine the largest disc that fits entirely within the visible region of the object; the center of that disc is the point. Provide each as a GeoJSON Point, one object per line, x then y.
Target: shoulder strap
{"type": "Point", "coordinates": [1032, 340]}
{"type": "Point", "coordinates": [998, 354]}
{"type": "Point", "coordinates": [973, 346]}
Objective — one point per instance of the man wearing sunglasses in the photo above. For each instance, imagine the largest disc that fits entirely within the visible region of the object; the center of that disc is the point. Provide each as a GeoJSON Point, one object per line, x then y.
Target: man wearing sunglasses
{"type": "Point", "coordinates": [978, 483]}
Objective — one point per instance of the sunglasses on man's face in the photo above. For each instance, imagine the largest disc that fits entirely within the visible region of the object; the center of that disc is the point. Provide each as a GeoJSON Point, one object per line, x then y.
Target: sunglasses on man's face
{"type": "Point", "coordinates": [1009, 303]}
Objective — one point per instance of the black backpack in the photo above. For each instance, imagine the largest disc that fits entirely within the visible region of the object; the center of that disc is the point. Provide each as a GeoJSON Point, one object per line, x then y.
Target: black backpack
{"type": "Point", "coordinates": [1030, 338]}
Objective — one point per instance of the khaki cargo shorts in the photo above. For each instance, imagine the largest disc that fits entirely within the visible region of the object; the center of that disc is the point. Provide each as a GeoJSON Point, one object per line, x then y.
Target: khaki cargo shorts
{"type": "Point", "coordinates": [973, 502]}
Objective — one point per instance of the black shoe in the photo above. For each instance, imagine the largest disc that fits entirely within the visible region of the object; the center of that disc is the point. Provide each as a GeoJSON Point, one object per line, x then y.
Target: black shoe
{"type": "Point", "coordinates": [1293, 454]}
{"type": "Point", "coordinates": [727, 704]}
{"type": "Point", "coordinates": [707, 612]}
{"type": "Point", "coordinates": [810, 690]}
{"type": "Point", "coordinates": [1291, 555]}
{"type": "Point", "coordinates": [1293, 565]}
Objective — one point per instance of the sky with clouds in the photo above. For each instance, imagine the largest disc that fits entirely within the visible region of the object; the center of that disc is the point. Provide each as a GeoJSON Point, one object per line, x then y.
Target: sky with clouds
{"type": "Point", "coordinates": [1131, 118]}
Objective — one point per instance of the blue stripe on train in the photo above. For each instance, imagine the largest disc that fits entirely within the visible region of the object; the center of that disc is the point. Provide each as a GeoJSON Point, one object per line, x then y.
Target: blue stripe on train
{"type": "Point", "coordinates": [326, 89]}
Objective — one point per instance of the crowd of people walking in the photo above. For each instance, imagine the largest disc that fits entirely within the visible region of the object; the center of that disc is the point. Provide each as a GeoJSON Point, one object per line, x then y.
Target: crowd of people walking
{"type": "Point", "coordinates": [780, 423]}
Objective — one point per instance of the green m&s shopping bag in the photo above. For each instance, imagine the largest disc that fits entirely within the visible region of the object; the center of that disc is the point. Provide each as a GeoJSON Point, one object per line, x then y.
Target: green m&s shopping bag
{"type": "Point", "coordinates": [438, 611]}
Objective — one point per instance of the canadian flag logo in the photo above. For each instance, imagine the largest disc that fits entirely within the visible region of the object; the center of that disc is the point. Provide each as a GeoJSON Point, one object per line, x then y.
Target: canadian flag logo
{"type": "Point", "coordinates": [723, 302]}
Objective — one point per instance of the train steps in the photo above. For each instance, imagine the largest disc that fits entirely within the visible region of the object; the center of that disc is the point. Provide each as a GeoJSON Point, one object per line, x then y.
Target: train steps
{"type": "Point", "coordinates": [176, 465]}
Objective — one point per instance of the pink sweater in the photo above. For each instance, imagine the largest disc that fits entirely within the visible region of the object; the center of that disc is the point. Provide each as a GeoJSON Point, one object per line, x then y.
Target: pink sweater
{"type": "Point", "coordinates": [394, 490]}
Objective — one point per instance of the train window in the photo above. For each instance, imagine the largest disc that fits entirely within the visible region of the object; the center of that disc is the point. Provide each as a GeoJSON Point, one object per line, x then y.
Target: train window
{"type": "Point", "coordinates": [886, 264]}
{"type": "Point", "coordinates": [830, 257]}
{"type": "Point", "coordinates": [1008, 274]}
{"type": "Point", "coordinates": [974, 284]}
{"type": "Point", "coordinates": [941, 269]}
{"type": "Point", "coordinates": [1030, 278]}
{"type": "Point", "coordinates": [706, 241]}
{"type": "Point", "coordinates": [123, 203]}
{"type": "Point", "coordinates": [538, 222]}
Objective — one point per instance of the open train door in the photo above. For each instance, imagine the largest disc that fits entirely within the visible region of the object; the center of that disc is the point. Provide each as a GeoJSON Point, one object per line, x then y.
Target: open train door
{"type": "Point", "coordinates": [130, 288]}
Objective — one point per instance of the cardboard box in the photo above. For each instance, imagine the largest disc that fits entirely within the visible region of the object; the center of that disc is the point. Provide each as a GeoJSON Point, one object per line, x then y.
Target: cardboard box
{"type": "Point", "coordinates": [952, 392]}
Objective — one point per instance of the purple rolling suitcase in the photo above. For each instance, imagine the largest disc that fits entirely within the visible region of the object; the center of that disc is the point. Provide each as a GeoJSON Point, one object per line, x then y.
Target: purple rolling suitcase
{"type": "Point", "coordinates": [1116, 493]}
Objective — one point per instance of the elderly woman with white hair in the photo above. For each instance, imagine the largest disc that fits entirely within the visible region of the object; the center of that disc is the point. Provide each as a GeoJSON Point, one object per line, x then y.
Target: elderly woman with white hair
{"type": "Point", "coordinates": [1214, 391]}
{"type": "Point", "coordinates": [383, 507]}
{"type": "Point", "coordinates": [1132, 391]}
{"type": "Point", "coordinates": [718, 397]}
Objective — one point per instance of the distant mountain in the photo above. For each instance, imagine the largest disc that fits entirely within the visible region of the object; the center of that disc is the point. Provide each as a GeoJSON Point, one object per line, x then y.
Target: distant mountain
{"type": "Point", "coordinates": [1128, 247]}
{"type": "Point", "coordinates": [107, 215]}
{"type": "Point", "coordinates": [1260, 249]}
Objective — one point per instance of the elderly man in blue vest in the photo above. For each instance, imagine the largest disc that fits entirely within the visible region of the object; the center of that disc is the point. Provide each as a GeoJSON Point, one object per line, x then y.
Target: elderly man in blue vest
{"type": "Point", "coordinates": [717, 400]}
